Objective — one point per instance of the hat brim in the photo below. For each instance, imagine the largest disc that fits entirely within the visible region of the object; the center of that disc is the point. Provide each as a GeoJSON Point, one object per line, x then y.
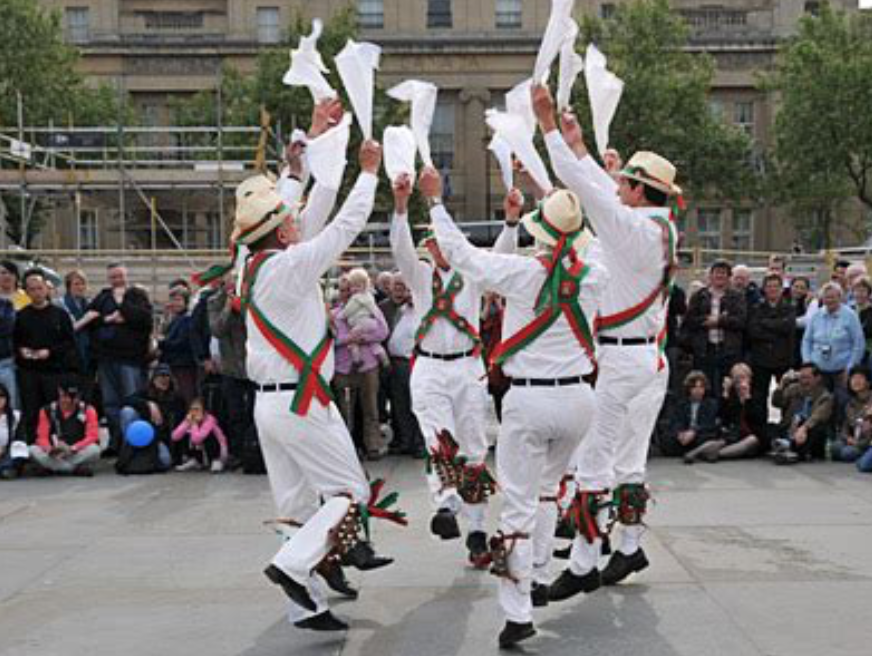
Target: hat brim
{"type": "Point", "coordinates": [673, 190]}
{"type": "Point", "coordinates": [539, 233]}
{"type": "Point", "coordinates": [262, 229]}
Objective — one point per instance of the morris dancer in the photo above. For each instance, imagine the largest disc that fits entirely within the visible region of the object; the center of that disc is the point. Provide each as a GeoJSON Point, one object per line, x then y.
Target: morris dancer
{"type": "Point", "coordinates": [306, 446]}
{"type": "Point", "coordinates": [637, 237]}
{"type": "Point", "coordinates": [449, 393]}
{"type": "Point", "coordinates": [548, 351]}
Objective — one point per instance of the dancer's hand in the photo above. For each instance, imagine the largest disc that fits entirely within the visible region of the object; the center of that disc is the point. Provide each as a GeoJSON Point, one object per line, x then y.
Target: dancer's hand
{"type": "Point", "coordinates": [370, 156]}
{"type": "Point", "coordinates": [612, 160]}
{"type": "Point", "coordinates": [294, 158]}
{"type": "Point", "coordinates": [513, 205]}
{"type": "Point", "coordinates": [543, 107]}
{"type": "Point", "coordinates": [572, 134]}
{"type": "Point", "coordinates": [430, 183]}
{"type": "Point", "coordinates": [402, 191]}
{"type": "Point", "coordinates": [325, 114]}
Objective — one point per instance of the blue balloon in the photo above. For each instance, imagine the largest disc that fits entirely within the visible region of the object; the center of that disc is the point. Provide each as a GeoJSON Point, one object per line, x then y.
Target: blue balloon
{"type": "Point", "coordinates": [139, 433]}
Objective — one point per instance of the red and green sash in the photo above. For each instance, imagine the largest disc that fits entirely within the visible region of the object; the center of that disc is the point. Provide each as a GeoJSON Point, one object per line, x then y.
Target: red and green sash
{"type": "Point", "coordinates": [661, 292]}
{"type": "Point", "coordinates": [558, 296]}
{"type": "Point", "coordinates": [443, 308]}
{"type": "Point", "coordinates": [311, 384]}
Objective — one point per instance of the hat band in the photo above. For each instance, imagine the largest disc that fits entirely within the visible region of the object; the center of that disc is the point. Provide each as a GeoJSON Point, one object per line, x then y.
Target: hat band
{"type": "Point", "coordinates": [641, 172]}
{"type": "Point", "coordinates": [281, 207]}
{"type": "Point", "coordinates": [552, 230]}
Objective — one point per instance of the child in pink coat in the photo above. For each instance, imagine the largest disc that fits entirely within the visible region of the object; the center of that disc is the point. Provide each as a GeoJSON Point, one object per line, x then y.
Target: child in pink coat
{"type": "Point", "coordinates": [207, 444]}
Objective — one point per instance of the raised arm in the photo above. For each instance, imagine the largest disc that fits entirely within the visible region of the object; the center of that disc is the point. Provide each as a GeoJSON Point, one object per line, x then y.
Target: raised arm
{"type": "Point", "coordinates": [507, 241]}
{"type": "Point", "coordinates": [416, 273]}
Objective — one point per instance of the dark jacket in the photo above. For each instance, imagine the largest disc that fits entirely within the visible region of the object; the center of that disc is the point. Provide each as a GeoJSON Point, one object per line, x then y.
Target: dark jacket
{"type": "Point", "coordinates": [733, 318]}
{"type": "Point", "coordinates": [7, 328]}
{"type": "Point", "coordinates": [676, 311]}
{"type": "Point", "coordinates": [46, 328]}
{"type": "Point", "coordinates": [177, 348]}
{"type": "Point", "coordinates": [77, 308]}
{"type": "Point", "coordinates": [201, 334]}
{"type": "Point", "coordinates": [739, 420]}
{"type": "Point", "coordinates": [172, 408]}
{"type": "Point", "coordinates": [228, 326]}
{"type": "Point", "coordinates": [127, 342]}
{"type": "Point", "coordinates": [771, 331]}
{"type": "Point", "coordinates": [706, 419]}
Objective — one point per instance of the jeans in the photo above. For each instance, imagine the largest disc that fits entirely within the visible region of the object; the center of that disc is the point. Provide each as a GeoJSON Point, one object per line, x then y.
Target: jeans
{"type": "Point", "coordinates": [841, 452]}
{"type": "Point", "coordinates": [864, 463]}
{"type": "Point", "coordinates": [118, 380]}
{"type": "Point", "coordinates": [7, 377]}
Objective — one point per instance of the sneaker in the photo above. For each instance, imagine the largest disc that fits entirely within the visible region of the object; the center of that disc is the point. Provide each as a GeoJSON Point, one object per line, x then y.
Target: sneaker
{"type": "Point", "coordinates": [539, 595]}
{"type": "Point", "coordinates": [325, 621]}
{"type": "Point", "coordinates": [8, 474]}
{"type": "Point", "coordinates": [568, 584]}
{"type": "Point", "coordinates": [621, 566]}
{"type": "Point", "coordinates": [786, 457]}
{"type": "Point", "coordinates": [217, 467]}
{"type": "Point", "coordinates": [514, 632]}
{"type": "Point", "coordinates": [190, 464]}
{"type": "Point", "coordinates": [479, 553]}
{"type": "Point", "coordinates": [444, 525]}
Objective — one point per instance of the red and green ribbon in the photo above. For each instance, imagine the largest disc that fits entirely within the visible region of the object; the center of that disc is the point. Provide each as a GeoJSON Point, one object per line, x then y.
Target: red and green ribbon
{"type": "Point", "coordinates": [380, 508]}
{"type": "Point", "coordinates": [443, 308]}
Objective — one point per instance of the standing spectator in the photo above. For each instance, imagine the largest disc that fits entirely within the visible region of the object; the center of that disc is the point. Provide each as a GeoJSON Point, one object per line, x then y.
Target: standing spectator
{"type": "Point", "coordinates": [675, 354]}
{"type": "Point", "coordinates": [771, 331]}
{"type": "Point", "coordinates": [400, 317]}
{"type": "Point", "coordinates": [9, 288]}
{"type": "Point", "coordinates": [68, 440]}
{"type": "Point", "coordinates": [8, 424]}
{"type": "Point", "coordinates": [693, 419]}
{"type": "Point", "coordinates": [75, 302]}
{"type": "Point", "coordinates": [7, 350]}
{"type": "Point", "coordinates": [177, 347]}
{"type": "Point", "coordinates": [383, 282]}
{"type": "Point", "coordinates": [201, 339]}
{"type": "Point", "coordinates": [227, 324]}
{"type": "Point", "coordinates": [863, 307]}
{"type": "Point", "coordinates": [833, 339]}
{"type": "Point", "coordinates": [806, 411]}
{"type": "Point", "coordinates": [853, 273]}
{"type": "Point", "coordinates": [45, 349]}
{"type": "Point", "coordinates": [856, 430]}
{"type": "Point", "coordinates": [492, 313]}
{"type": "Point", "coordinates": [799, 296]}
{"type": "Point", "coordinates": [840, 274]}
{"type": "Point", "coordinates": [714, 326]}
{"type": "Point", "coordinates": [742, 282]}
{"type": "Point", "coordinates": [120, 319]}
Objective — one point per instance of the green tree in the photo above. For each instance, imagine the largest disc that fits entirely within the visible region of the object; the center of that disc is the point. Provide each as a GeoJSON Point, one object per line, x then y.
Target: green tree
{"type": "Point", "coordinates": [823, 129]}
{"type": "Point", "coordinates": [664, 107]}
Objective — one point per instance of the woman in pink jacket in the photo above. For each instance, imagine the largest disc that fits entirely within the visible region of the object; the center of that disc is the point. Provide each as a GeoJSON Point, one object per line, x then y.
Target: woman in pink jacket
{"type": "Point", "coordinates": [207, 444]}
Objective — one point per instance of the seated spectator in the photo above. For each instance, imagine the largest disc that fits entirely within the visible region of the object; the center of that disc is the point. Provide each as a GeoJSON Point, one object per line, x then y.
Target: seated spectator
{"type": "Point", "coordinates": [856, 430]}
{"type": "Point", "coordinates": [863, 307]}
{"type": "Point", "coordinates": [771, 331]}
{"type": "Point", "coordinates": [806, 410]}
{"type": "Point", "coordinates": [67, 437]}
{"type": "Point", "coordinates": [693, 419]}
{"type": "Point", "coordinates": [205, 441]}
{"type": "Point", "coordinates": [177, 348]}
{"type": "Point", "coordinates": [8, 423]}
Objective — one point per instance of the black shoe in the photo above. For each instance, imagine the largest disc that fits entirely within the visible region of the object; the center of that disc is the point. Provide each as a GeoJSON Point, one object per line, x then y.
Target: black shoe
{"type": "Point", "coordinates": [564, 530]}
{"type": "Point", "coordinates": [444, 524]}
{"type": "Point", "coordinates": [325, 621]}
{"type": "Point", "coordinates": [296, 592]}
{"type": "Point", "coordinates": [513, 633]}
{"type": "Point", "coordinates": [479, 553]}
{"type": "Point", "coordinates": [539, 595]}
{"type": "Point", "coordinates": [563, 554]}
{"type": "Point", "coordinates": [568, 584]}
{"type": "Point", "coordinates": [621, 566]}
{"type": "Point", "coordinates": [786, 458]}
{"type": "Point", "coordinates": [362, 556]}
{"type": "Point", "coordinates": [335, 579]}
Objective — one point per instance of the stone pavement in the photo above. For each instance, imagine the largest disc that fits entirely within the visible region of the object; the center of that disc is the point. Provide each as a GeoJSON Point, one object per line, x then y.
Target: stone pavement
{"type": "Point", "coordinates": [747, 559]}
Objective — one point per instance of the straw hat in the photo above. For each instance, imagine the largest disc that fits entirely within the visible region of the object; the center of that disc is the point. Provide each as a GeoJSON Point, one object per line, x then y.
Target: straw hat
{"type": "Point", "coordinates": [655, 171]}
{"type": "Point", "coordinates": [259, 210]}
{"type": "Point", "coordinates": [558, 215]}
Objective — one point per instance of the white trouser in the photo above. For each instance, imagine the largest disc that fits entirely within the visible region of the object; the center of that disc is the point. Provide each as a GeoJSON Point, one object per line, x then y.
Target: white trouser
{"type": "Point", "coordinates": [452, 395]}
{"type": "Point", "coordinates": [311, 457]}
{"type": "Point", "coordinates": [541, 429]}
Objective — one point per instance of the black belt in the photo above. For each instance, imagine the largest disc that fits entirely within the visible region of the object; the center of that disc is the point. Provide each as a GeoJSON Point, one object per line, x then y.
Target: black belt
{"type": "Point", "coordinates": [446, 356]}
{"type": "Point", "coordinates": [626, 341]}
{"type": "Point", "coordinates": [277, 387]}
{"type": "Point", "coordinates": [546, 382]}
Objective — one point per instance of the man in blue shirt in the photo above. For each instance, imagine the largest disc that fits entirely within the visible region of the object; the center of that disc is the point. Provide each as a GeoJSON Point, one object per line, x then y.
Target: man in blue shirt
{"type": "Point", "coordinates": [833, 339]}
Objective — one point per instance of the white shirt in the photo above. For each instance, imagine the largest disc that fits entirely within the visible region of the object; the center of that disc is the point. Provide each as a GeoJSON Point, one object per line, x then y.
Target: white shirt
{"type": "Point", "coordinates": [402, 339]}
{"type": "Point", "coordinates": [443, 338]}
{"type": "Point", "coordinates": [556, 353]}
{"type": "Point", "coordinates": [288, 293]}
{"type": "Point", "coordinates": [632, 244]}
{"type": "Point", "coordinates": [5, 437]}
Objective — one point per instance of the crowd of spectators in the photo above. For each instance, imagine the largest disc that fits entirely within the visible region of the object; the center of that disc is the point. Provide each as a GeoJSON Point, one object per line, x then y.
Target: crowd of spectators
{"type": "Point", "coordinates": [776, 368]}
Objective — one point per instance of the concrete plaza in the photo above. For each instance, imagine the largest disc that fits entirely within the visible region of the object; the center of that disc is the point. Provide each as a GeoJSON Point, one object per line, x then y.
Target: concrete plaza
{"type": "Point", "coordinates": [747, 559]}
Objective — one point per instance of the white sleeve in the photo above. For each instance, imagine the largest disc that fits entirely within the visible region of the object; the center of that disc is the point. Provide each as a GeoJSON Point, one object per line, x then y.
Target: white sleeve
{"type": "Point", "coordinates": [507, 275]}
{"type": "Point", "coordinates": [507, 241]}
{"type": "Point", "coordinates": [318, 207]}
{"type": "Point", "coordinates": [416, 273]}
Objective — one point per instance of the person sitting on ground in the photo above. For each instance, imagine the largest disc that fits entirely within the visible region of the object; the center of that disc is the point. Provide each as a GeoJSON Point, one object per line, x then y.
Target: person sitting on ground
{"type": "Point", "coordinates": [855, 434]}
{"type": "Point", "coordinates": [806, 409]}
{"type": "Point", "coordinates": [8, 423]}
{"type": "Point", "coordinates": [742, 421]}
{"type": "Point", "coordinates": [360, 313]}
{"type": "Point", "coordinates": [207, 444]}
{"type": "Point", "coordinates": [67, 435]}
{"type": "Point", "coordinates": [694, 418]}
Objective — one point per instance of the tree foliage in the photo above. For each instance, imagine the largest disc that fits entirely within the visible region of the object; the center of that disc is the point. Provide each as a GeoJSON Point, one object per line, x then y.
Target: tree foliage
{"type": "Point", "coordinates": [823, 129]}
{"type": "Point", "coordinates": [664, 107]}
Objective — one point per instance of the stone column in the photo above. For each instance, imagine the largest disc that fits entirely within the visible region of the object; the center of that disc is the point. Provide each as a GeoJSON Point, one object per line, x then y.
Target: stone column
{"type": "Point", "coordinates": [471, 142]}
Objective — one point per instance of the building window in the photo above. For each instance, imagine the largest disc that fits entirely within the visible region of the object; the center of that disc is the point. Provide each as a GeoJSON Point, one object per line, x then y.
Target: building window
{"type": "Point", "coordinates": [268, 30]}
{"type": "Point", "coordinates": [716, 109]}
{"type": "Point", "coordinates": [509, 14]}
{"type": "Point", "coordinates": [173, 21]}
{"type": "Point", "coordinates": [89, 231]}
{"type": "Point", "coordinates": [371, 13]}
{"type": "Point", "coordinates": [743, 116]}
{"type": "Point", "coordinates": [607, 10]}
{"type": "Point", "coordinates": [743, 230]}
{"type": "Point", "coordinates": [442, 136]}
{"type": "Point", "coordinates": [714, 18]}
{"type": "Point", "coordinates": [813, 8]}
{"type": "Point", "coordinates": [708, 224]}
{"type": "Point", "coordinates": [439, 13]}
{"type": "Point", "coordinates": [78, 20]}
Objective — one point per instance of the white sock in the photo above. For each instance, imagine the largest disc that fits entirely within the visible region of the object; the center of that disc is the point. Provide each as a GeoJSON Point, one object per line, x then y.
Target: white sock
{"type": "Point", "coordinates": [585, 555]}
{"type": "Point", "coordinates": [631, 539]}
{"type": "Point", "coordinates": [475, 514]}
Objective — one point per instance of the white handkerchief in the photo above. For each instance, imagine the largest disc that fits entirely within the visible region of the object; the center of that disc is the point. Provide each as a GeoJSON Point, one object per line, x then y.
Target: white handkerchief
{"type": "Point", "coordinates": [307, 68]}
{"type": "Point", "coordinates": [604, 89]}
{"type": "Point", "coordinates": [399, 152]}
{"type": "Point", "coordinates": [520, 103]}
{"type": "Point", "coordinates": [357, 64]}
{"type": "Point", "coordinates": [422, 95]}
{"type": "Point", "coordinates": [559, 26]}
{"type": "Point", "coordinates": [512, 130]}
{"type": "Point", "coordinates": [571, 64]}
{"type": "Point", "coordinates": [503, 153]}
{"type": "Point", "coordinates": [326, 154]}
